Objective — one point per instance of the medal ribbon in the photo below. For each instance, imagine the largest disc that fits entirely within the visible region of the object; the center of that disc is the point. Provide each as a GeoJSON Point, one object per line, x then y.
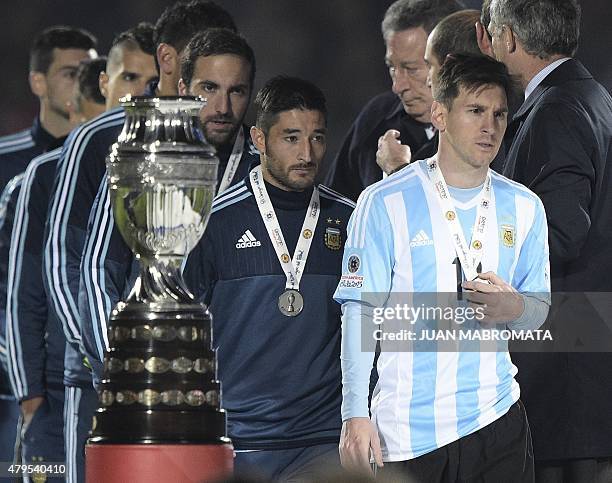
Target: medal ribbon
{"type": "Point", "coordinates": [232, 162]}
{"type": "Point", "coordinates": [293, 268]}
{"type": "Point", "coordinates": [469, 255]}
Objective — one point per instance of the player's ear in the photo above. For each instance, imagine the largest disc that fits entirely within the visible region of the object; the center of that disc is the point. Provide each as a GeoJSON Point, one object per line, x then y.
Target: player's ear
{"type": "Point", "coordinates": [182, 87]}
{"type": "Point", "coordinates": [509, 39]}
{"type": "Point", "coordinates": [167, 58]}
{"type": "Point", "coordinates": [438, 115]}
{"type": "Point", "coordinates": [259, 139]}
{"type": "Point", "coordinates": [103, 84]}
{"type": "Point", "coordinates": [38, 83]}
{"type": "Point", "coordinates": [483, 40]}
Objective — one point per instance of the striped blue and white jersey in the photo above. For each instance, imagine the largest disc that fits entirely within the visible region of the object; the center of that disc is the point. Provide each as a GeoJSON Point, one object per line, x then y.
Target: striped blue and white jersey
{"type": "Point", "coordinates": [399, 242]}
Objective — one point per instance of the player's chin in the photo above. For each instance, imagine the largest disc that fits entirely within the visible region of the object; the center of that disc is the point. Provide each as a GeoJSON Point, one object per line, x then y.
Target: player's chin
{"type": "Point", "coordinates": [218, 138]}
{"type": "Point", "coordinates": [300, 180]}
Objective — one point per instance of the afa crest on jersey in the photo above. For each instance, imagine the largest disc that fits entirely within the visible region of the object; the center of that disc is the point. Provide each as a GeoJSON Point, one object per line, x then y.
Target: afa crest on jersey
{"type": "Point", "coordinates": [508, 233]}
{"type": "Point", "coordinates": [333, 238]}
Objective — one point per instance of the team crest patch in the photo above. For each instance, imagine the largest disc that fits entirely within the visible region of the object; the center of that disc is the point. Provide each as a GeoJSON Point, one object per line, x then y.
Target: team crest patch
{"type": "Point", "coordinates": [353, 263]}
{"type": "Point", "coordinates": [508, 235]}
{"type": "Point", "coordinates": [333, 238]}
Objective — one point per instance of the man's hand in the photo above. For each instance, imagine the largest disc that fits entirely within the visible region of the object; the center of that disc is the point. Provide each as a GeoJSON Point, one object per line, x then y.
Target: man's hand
{"type": "Point", "coordinates": [29, 407]}
{"type": "Point", "coordinates": [391, 153]}
{"type": "Point", "coordinates": [500, 301]}
{"type": "Point", "coordinates": [358, 437]}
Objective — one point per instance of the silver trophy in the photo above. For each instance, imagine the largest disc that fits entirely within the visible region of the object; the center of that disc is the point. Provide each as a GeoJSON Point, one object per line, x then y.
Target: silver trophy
{"type": "Point", "coordinates": [159, 382]}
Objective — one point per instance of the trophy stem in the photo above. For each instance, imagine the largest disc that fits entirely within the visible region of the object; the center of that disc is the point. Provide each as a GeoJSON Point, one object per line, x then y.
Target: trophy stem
{"type": "Point", "coordinates": [160, 282]}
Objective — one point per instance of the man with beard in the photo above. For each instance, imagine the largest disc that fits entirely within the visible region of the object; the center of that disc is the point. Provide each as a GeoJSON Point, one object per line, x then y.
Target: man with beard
{"type": "Point", "coordinates": [275, 325]}
{"type": "Point", "coordinates": [219, 65]}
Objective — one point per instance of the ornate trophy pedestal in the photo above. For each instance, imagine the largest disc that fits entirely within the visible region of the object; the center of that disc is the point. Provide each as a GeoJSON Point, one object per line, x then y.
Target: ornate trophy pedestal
{"type": "Point", "coordinates": [159, 417]}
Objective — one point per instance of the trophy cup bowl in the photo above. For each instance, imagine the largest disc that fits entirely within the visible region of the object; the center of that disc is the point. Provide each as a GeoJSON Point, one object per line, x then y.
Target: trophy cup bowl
{"type": "Point", "coordinates": [159, 386]}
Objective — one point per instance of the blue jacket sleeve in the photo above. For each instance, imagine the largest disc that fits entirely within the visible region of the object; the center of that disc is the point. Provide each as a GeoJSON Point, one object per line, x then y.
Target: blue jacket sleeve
{"type": "Point", "coordinates": [7, 214]}
{"type": "Point", "coordinates": [26, 322]}
{"type": "Point", "coordinates": [80, 169]}
{"type": "Point", "coordinates": [106, 268]}
{"type": "Point", "coordinates": [200, 273]}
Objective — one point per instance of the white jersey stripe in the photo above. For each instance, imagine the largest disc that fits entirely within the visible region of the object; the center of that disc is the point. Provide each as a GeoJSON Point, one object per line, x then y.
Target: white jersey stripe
{"type": "Point", "coordinates": [64, 303]}
{"type": "Point", "coordinates": [100, 304]}
{"type": "Point", "coordinates": [231, 201]}
{"type": "Point", "coordinates": [229, 193]}
{"type": "Point", "coordinates": [17, 373]}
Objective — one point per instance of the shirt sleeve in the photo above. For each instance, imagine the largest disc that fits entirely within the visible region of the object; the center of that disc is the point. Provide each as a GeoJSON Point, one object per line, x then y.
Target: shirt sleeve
{"type": "Point", "coordinates": [532, 274]}
{"type": "Point", "coordinates": [367, 269]}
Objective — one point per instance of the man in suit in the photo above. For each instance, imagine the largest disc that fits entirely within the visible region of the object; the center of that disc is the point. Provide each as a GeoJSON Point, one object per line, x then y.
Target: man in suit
{"type": "Point", "coordinates": [562, 150]}
{"type": "Point", "coordinates": [404, 109]}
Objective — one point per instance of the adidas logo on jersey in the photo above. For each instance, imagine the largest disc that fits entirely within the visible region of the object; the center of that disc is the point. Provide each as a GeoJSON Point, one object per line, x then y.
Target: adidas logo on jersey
{"type": "Point", "coordinates": [420, 240]}
{"type": "Point", "coordinates": [248, 240]}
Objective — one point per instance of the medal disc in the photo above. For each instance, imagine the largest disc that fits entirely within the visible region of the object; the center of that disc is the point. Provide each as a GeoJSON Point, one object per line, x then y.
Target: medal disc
{"type": "Point", "coordinates": [290, 303]}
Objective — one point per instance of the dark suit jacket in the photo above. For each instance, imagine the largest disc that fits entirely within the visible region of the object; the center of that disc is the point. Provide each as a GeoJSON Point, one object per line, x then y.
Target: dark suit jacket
{"type": "Point", "coordinates": [562, 151]}
{"type": "Point", "coordinates": [354, 167]}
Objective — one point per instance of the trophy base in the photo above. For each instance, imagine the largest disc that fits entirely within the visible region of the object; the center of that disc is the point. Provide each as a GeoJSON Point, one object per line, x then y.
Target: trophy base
{"type": "Point", "coordinates": [159, 385]}
{"type": "Point", "coordinates": [179, 463]}
{"type": "Point", "coordinates": [159, 427]}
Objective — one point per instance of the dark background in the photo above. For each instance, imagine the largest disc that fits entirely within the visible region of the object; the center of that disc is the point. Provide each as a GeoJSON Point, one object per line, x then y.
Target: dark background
{"type": "Point", "coordinates": [335, 43]}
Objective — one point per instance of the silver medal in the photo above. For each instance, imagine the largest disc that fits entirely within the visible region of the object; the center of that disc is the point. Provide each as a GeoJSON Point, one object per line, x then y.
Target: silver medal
{"type": "Point", "coordinates": [290, 303]}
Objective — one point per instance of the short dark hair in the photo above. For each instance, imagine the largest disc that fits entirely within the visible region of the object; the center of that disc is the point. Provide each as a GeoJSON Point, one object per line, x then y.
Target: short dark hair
{"type": "Point", "coordinates": [141, 36]}
{"type": "Point", "coordinates": [181, 21]}
{"type": "Point", "coordinates": [407, 14]}
{"type": "Point", "coordinates": [282, 94]}
{"type": "Point", "coordinates": [456, 34]}
{"type": "Point", "coordinates": [88, 78]}
{"type": "Point", "coordinates": [544, 27]}
{"type": "Point", "coordinates": [470, 72]}
{"type": "Point", "coordinates": [57, 37]}
{"type": "Point", "coordinates": [215, 42]}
